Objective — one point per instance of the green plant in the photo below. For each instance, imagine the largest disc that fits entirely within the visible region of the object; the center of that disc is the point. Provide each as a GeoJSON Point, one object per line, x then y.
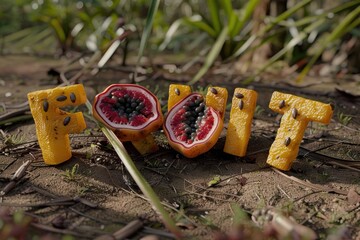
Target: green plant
{"type": "Point", "coordinates": [343, 118]}
{"type": "Point", "coordinates": [224, 24]}
{"type": "Point", "coordinates": [71, 174]}
{"type": "Point", "coordinates": [12, 139]}
{"type": "Point", "coordinates": [259, 110]}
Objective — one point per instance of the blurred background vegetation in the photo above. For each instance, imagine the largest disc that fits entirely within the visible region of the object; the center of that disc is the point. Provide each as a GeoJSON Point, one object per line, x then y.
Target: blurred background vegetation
{"type": "Point", "coordinates": [252, 34]}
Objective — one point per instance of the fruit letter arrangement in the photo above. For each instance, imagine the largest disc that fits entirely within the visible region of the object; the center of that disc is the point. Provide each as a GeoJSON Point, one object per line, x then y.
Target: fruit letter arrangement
{"type": "Point", "coordinates": [192, 124]}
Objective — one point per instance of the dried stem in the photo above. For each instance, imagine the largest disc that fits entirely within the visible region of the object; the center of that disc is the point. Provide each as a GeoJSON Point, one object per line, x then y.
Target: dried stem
{"type": "Point", "coordinates": [140, 181]}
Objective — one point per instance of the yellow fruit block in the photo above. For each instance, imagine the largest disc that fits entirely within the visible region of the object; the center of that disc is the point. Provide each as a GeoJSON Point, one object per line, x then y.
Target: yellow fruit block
{"type": "Point", "coordinates": [145, 145]}
{"type": "Point", "coordinates": [53, 125]}
{"type": "Point", "coordinates": [298, 112]}
{"type": "Point", "coordinates": [216, 98]}
{"type": "Point", "coordinates": [177, 93]}
{"type": "Point", "coordinates": [241, 115]}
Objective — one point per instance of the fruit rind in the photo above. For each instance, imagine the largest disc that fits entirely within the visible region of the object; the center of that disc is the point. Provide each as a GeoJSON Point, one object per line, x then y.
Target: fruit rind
{"type": "Point", "coordinates": [198, 147]}
{"type": "Point", "coordinates": [127, 132]}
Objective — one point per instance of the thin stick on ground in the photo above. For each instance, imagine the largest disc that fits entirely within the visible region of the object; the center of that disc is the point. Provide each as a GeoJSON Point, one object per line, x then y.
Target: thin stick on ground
{"type": "Point", "coordinates": [310, 185]}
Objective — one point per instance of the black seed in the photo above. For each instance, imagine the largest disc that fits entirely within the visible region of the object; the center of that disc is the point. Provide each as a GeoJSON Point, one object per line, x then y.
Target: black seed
{"type": "Point", "coordinates": [282, 104]}
{"type": "Point", "coordinates": [213, 91]}
{"type": "Point", "coordinates": [294, 113]}
{"type": "Point", "coordinates": [72, 97]}
{"type": "Point", "coordinates": [133, 105]}
{"type": "Point", "coordinates": [121, 100]}
{"type": "Point", "coordinates": [287, 141]}
{"type": "Point", "coordinates": [201, 114]}
{"type": "Point", "coordinates": [239, 95]}
{"type": "Point", "coordinates": [46, 105]}
{"type": "Point", "coordinates": [128, 110]}
{"type": "Point", "coordinates": [186, 107]}
{"type": "Point", "coordinates": [66, 120]}
{"type": "Point", "coordinates": [61, 98]}
{"type": "Point", "coordinates": [138, 108]}
{"type": "Point", "coordinates": [177, 91]}
{"type": "Point", "coordinates": [191, 119]}
{"type": "Point", "coordinates": [188, 130]}
{"type": "Point", "coordinates": [241, 104]}
{"type": "Point", "coordinates": [198, 109]}
{"type": "Point", "coordinates": [121, 112]}
{"type": "Point", "coordinates": [187, 114]}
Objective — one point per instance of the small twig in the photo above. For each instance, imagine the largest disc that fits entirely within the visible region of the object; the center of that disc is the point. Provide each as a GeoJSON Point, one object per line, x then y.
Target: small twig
{"type": "Point", "coordinates": [210, 189]}
{"type": "Point", "coordinates": [20, 172]}
{"type": "Point", "coordinates": [306, 195]}
{"type": "Point", "coordinates": [282, 190]}
{"type": "Point", "coordinates": [57, 202]}
{"type": "Point", "coordinates": [15, 179]}
{"type": "Point", "coordinates": [56, 230]}
{"type": "Point", "coordinates": [131, 228]}
{"type": "Point", "coordinates": [354, 209]}
{"type": "Point", "coordinates": [311, 185]}
{"type": "Point", "coordinates": [17, 112]}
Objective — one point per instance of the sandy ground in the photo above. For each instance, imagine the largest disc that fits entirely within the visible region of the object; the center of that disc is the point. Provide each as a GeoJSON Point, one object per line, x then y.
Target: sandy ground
{"type": "Point", "coordinates": [319, 192]}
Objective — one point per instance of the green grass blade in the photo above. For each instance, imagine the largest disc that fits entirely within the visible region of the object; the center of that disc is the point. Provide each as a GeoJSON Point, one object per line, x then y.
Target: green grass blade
{"type": "Point", "coordinates": [147, 30]}
{"type": "Point", "coordinates": [269, 26]}
{"type": "Point", "coordinates": [141, 181]}
{"type": "Point", "coordinates": [170, 33]}
{"type": "Point", "coordinates": [248, 11]}
{"type": "Point", "coordinates": [286, 14]}
{"type": "Point", "coordinates": [211, 57]}
{"type": "Point", "coordinates": [214, 14]}
{"type": "Point", "coordinates": [58, 28]}
{"type": "Point", "coordinates": [338, 32]}
{"type": "Point", "coordinates": [21, 34]}
{"type": "Point", "coordinates": [231, 15]}
{"type": "Point", "coordinates": [197, 21]}
{"type": "Point", "coordinates": [138, 178]}
{"type": "Point", "coordinates": [291, 44]}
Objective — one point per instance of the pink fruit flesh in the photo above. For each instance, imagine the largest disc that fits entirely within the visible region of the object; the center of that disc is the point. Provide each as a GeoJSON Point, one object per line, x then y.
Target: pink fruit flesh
{"type": "Point", "coordinates": [127, 106]}
{"type": "Point", "coordinates": [191, 121]}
